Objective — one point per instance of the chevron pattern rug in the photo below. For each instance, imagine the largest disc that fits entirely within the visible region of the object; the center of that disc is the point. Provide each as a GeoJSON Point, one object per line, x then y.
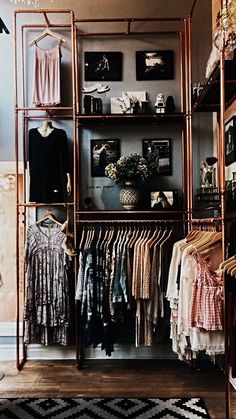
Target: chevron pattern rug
{"type": "Point", "coordinates": [102, 408]}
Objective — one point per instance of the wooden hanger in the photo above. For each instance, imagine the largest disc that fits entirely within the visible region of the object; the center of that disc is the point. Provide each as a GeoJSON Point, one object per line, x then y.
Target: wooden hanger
{"type": "Point", "coordinates": [223, 264]}
{"type": "Point", "coordinates": [230, 267]}
{"type": "Point", "coordinates": [233, 271]}
{"type": "Point", "coordinates": [46, 32]}
{"type": "Point", "coordinates": [202, 245]}
{"type": "Point", "coordinates": [49, 216]}
{"type": "Point", "coordinates": [195, 238]}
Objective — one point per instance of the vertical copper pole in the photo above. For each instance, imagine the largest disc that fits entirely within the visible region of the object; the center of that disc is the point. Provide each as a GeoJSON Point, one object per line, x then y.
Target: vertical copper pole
{"type": "Point", "coordinates": [190, 140]}
{"type": "Point", "coordinates": [186, 161]}
{"type": "Point", "coordinates": [222, 198]}
{"type": "Point", "coordinates": [75, 188]}
{"type": "Point", "coordinates": [24, 174]}
{"type": "Point", "coordinates": [183, 166]}
{"type": "Point", "coordinates": [17, 199]}
{"type": "Point", "coordinates": [181, 70]}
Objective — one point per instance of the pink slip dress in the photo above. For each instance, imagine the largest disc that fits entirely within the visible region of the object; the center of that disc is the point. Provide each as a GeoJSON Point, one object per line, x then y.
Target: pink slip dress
{"type": "Point", "coordinates": [46, 89]}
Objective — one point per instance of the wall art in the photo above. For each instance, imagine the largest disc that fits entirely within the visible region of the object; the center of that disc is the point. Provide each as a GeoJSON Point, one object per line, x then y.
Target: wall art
{"type": "Point", "coordinates": [154, 65]}
{"type": "Point", "coordinates": [158, 153]}
{"type": "Point", "coordinates": [99, 66]}
{"type": "Point", "coordinates": [102, 153]}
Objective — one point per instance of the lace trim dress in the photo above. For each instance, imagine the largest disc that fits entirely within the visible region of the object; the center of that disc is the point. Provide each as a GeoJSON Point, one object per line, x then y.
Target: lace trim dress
{"type": "Point", "coordinates": [47, 305]}
{"type": "Point", "coordinates": [46, 89]}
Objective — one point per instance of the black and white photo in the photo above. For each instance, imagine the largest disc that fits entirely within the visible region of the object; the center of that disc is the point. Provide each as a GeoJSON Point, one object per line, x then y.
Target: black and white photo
{"type": "Point", "coordinates": [154, 65]}
{"type": "Point", "coordinates": [158, 154]}
{"type": "Point", "coordinates": [162, 200]}
{"type": "Point", "coordinates": [102, 153]}
{"type": "Point", "coordinates": [230, 137]}
{"type": "Point", "coordinates": [103, 66]}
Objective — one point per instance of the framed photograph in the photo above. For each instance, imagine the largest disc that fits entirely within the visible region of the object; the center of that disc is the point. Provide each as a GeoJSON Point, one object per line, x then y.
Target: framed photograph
{"type": "Point", "coordinates": [230, 141]}
{"type": "Point", "coordinates": [154, 65]}
{"type": "Point", "coordinates": [162, 200]}
{"type": "Point", "coordinates": [158, 153]}
{"type": "Point", "coordinates": [103, 152]}
{"type": "Point", "coordinates": [103, 66]}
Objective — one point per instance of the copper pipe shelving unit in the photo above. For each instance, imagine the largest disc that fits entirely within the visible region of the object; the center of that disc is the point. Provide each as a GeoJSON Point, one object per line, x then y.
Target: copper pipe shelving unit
{"type": "Point", "coordinates": [25, 113]}
{"type": "Point", "coordinates": [184, 119]}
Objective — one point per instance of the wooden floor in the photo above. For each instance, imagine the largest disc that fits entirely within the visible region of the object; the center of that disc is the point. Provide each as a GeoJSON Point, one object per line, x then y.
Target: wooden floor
{"type": "Point", "coordinates": [119, 379]}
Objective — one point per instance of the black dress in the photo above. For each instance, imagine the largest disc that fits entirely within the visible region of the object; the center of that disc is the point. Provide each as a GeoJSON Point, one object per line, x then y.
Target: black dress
{"type": "Point", "coordinates": [49, 164]}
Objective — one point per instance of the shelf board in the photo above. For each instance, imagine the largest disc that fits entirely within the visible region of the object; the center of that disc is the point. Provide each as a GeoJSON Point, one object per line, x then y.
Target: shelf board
{"type": "Point", "coordinates": [175, 118]}
{"type": "Point", "coordinates": [209, 99]}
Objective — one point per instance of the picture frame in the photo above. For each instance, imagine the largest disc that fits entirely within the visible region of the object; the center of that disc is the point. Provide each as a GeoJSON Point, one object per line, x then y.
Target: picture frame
{"type": "Point", "coordinates": [155, 65]}
{"type": "Point", "coordinates": [102, 153]}
{"type": "Point", "coordinates": [164, 199]}
{"type": "Point", "coordinates": [158, 153]}
{"type": "Point", "coordinates": [102, 66]}
{"type": "Point", "coordinates": [230, 141]}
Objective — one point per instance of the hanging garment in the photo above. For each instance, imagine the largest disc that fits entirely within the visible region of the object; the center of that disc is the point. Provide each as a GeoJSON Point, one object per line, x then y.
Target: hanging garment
{"type": "Point", "coordinates": [47, 90]}
{"type": "Point", "coordinates": [47, 295]}
{"type": "Point", "coordinates": [48, 164]}
{"type": "Point", "coordinates": [195, 294]}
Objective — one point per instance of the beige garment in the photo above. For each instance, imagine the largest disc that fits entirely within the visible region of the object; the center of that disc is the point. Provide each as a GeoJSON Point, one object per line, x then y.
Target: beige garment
{"type": "Point", "coordinates": [46, 90]}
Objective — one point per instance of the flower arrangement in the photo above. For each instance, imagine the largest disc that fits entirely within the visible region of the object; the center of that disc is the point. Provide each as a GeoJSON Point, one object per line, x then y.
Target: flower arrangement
{"type": "Point", "coordinates": [133, 167]}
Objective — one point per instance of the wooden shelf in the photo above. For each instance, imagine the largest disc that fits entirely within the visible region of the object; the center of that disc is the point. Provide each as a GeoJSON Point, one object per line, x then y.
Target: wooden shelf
{"type": "Point", "coordinates": [209, 99]}
{"type": "Point", "coordinates": [175, 118]}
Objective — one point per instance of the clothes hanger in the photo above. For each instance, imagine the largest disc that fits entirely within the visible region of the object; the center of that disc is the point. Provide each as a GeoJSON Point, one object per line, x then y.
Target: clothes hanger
{"type": "Point", "coordinates": [46, 32]}
{"type": "Point", "coordinates": [233, 271]}
{"type": "Point", "coordinates": [205, 245]}
{"type": "Point", "coordinates": [225, 262]}
{"type": "Point", "coordinates": [230, 267]}
{"type": "Point", "coordinates": [195, 238]}
{"type": "Point", "coordinates": [49, 216]}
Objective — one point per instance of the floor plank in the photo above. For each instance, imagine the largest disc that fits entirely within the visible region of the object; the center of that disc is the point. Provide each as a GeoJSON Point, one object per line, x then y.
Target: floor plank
{"type": "Point", "coordinates": [99, 378]}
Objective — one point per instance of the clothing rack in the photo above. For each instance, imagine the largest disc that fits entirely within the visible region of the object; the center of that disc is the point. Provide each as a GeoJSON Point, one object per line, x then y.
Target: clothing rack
{"type": "Point", "coordinates": [25, 113]}
{"type": "Point", "coordinates": [130, 221]}
{"type": "Point", "coordinates": [187, 175]}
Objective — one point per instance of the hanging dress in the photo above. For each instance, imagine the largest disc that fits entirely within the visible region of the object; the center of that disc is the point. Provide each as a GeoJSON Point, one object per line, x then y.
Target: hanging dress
{"type": "Point", "coordinates": [47, 288]}
{"type": "Point", "coordinates": [46, 90]}
{"type": "Point", "coordinates": [48, 164]}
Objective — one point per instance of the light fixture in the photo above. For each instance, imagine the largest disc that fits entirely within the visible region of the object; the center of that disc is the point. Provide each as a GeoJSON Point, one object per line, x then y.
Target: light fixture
{"type": "Point", "coordinates": [225, 33]}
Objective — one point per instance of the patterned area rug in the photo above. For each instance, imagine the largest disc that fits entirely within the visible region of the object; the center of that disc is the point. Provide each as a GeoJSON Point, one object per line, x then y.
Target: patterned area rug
{"type": "Point", "coordinates": [107, 408]}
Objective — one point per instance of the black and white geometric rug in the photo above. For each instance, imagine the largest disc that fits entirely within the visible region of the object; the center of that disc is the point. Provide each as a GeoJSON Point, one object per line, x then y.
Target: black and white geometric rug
{"type": "Point", "coordinates": [102, 408]}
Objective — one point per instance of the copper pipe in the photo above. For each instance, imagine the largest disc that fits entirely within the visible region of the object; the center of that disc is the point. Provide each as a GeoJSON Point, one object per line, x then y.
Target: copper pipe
{"type": "Point", "coordinates": [43, 25]}
{"type": "Point", "coordinates": [108, 20]}
{"type": "Point", "coordinates": [187, 120]}
{"type": "Point", "coordinates": [128, 27]}
{"type": "Point", "coordinates": [222, 190]}
{"type": "Point", "coordinates": [127, 33]}
{"type": "Point", "coordinates": [24, 179]}
{"type": "Point", "coordinates": [44, 108]}
{"type": "Point", "coordinates": [133, 212]}
{"type": "Point", "coordinates": [210, 220]}
{"type": "Point", "coordinates": [192, 8]}
{"type": "Point", "coordinates": [181, 71]}
{"type": "Point", "coordinates": [17, 200]}
{"type": "Point", "coordinates": [53, 204]}
{"type": "Point", "coordinates": [42, 11]}
{"type": "Point", "coordinates": [152, 118]}
{"type": "Point", "coordinates": [211, 207]}
{"type": "Point", "coordinates": [45, 117]}
{"type": "Point", "coordinates": [155, 221]}
{"type": "Point", "coordinates": [183, 166]}
{"type": "Point", "coordinates": [190, 139]}
{"type": "Point", "coordinates": [46, 19]}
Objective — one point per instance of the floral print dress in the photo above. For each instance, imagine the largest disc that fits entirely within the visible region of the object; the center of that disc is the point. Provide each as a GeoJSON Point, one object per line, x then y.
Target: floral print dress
{"type": "Point", "coordinates": [47, 296]}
